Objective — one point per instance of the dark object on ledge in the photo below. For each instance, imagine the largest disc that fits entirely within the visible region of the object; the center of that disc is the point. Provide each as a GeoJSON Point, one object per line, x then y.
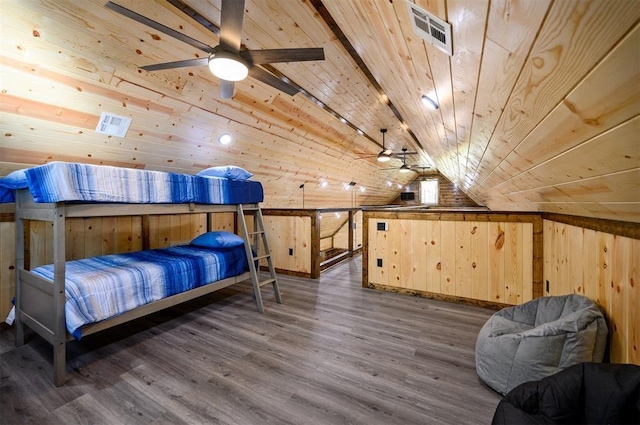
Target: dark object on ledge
{"type": "Point", "coordinates": [586, 393]}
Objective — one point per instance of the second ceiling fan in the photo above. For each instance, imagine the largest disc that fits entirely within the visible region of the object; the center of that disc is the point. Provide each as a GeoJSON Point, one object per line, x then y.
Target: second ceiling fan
{"type": "Point", "coordinates": [385, 154]}
{"type": "Point", "coordinates": [227, 60]}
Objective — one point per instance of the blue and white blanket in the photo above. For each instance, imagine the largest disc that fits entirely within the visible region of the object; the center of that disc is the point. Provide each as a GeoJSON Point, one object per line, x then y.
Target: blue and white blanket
{"type": "Point", "coordinates": [62, 181]}
{"type": "Point", "coordinates": [102, 287]}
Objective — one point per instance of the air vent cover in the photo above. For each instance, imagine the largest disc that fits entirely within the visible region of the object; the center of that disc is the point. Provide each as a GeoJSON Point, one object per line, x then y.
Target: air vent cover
{"type": "Point", "coordinates": [112, 124]}
{"type": "Point", "coordinates": [432, 29]}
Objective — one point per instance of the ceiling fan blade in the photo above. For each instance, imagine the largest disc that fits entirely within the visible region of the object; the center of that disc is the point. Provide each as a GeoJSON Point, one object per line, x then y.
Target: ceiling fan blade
{"type": "Point", "coordinates": [401, 154]}
{"type": "Point", "coordinates": [158, 26]}
{"type": "Point", "coordinates": [177, 64]}
{"type": "Point", "coordinates": [226, 89]}
{"type": "Point", "coordinates": [283, 55]}
{"type": "Point", "coordinates": [270, 79]}
{"type": "Point", "coordinates": [231, 14]}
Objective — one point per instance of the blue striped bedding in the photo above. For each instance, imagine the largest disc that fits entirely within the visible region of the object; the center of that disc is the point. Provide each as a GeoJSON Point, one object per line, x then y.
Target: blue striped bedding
{"type": "Point", "coordinates": [62, 181]}
{"type": "Point", "coordinates": [102, 287]}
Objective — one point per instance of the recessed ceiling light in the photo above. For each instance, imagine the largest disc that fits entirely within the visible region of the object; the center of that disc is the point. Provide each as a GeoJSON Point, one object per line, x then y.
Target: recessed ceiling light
{"type": "Point", "coordinates": [360, 132]}
{"type": "Point", "coordinates": [224, 139]}
{"type": "Point", "coordinates": [362, 189]}
{"type": "Point", "coordinates": [324, 184]}
{"type": "Point", "coordinates": [429, 103]}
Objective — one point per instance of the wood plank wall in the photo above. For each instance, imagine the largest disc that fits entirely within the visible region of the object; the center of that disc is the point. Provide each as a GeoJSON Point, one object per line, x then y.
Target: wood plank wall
{"type": "Point", "coordinates": [604, 267]}
{"type": "Point", "coordinates": [466, 257]}
{"type": "Point", "coordinates": [285, 233]}
{"type": "Point", "coordinates": [449, 195]}
{"type": "Point", "coordinates": [341, 238]}
{"type": "Point", "coordinates": [7, 267]}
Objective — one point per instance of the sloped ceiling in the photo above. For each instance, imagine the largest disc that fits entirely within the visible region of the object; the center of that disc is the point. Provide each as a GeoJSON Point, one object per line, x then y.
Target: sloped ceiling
{"type": "Point", "coordinates": [538, 108]}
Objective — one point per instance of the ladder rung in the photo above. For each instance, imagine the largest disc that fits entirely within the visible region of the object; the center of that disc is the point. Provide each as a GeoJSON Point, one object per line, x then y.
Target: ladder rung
{"type": "Point", "coordinates": [266, 282]}
{"type": "Point", "coordinates": [260, 232]}
{"type": "Point", "coordinates": [261, 257]}
{"type": "Point", "coordinates": [250, 209]}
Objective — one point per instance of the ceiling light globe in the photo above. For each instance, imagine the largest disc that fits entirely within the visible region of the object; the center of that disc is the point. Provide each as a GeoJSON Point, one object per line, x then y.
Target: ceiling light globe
{"type": "Point", "coordinates": [430, 103]}
{"type": "Point", "coordinates": [405, 169]}
{"type": "Point", "coordinates": [383, 158]}
{"type": "Point", "coordinates": [228, 66]}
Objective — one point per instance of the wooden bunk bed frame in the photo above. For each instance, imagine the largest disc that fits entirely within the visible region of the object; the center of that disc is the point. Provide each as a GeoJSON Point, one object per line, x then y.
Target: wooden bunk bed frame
{"type": "Point", "coordinates": [40, 303]}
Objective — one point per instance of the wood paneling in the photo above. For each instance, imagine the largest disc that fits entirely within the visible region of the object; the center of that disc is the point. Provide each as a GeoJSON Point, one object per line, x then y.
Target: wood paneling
{"type": "Point", "coordinates": [483, 260]}
{"type": "Point", "coordinates": [449, 195]}
{"type": "Point", "coordinates": [289, 233]}
{"type": "Point", "coordinates": [603, 267]}
{"type": "Point", "coordinates": [538, 112]}
{"type": "Point", "coordinates": [7, 267]}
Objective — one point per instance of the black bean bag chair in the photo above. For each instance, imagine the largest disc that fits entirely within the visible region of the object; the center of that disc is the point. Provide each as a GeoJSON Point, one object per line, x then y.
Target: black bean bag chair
{"type": "Point", "coordinates": [586, 393]}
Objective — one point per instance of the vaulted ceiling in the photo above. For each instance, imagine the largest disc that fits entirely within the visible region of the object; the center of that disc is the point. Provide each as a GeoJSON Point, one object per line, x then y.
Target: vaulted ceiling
{"type": "Point", "coordinates": [538, 105]}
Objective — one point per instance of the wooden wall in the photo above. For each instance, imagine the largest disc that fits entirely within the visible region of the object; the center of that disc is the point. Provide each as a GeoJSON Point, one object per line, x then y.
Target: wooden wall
{"type": "Point", "coordinates": [494, 258]}
{"type": "Point", "coordinates": [604, 267]}
{"type": "Point", "coordinates": [285, 233]}
{"type": "Point", "coordinates": [7, 267]}
{"type": "Point", "coordinates": [449, 195]}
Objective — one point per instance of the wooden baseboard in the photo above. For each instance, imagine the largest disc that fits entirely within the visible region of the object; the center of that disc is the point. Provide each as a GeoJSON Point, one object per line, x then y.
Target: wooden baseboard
{"type": "Point", "coordinates": [287, 272]}
{"type": "Point", "coordinates": [440, 297]}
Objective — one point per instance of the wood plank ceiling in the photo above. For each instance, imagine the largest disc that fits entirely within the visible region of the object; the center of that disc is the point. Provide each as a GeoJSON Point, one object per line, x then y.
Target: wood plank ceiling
{"type": "Point", "coordinates": [538, 108]}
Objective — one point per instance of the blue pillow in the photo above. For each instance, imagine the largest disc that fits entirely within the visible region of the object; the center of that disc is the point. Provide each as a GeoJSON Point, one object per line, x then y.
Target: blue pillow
{"type": "Point", "coordinates": [218, 239]}
{"type": "Point", "coordinates": [14, 180]}
{"type": "Point", "coordinates": [226, 171]}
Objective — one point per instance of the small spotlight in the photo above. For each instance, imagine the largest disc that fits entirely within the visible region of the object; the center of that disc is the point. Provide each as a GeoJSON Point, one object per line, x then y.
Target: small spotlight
{"type": "Point", "coordinates": [324, 184]}
{"type": "Point", "coordinates": [224, 139]}
{"type": "Point", "coordinates": [429, 103]}
{"type": "Point", "coordinates": [362, 189]}
{"type": "Point", "coordinates": [360, 132]}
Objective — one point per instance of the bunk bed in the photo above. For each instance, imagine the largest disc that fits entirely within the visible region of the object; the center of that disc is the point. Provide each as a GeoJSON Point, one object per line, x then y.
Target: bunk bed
{"type": "Point", "coordinates": [71, 299]}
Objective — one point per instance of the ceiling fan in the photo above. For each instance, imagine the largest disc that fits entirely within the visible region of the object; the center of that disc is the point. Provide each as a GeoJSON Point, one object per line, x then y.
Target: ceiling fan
{"type": "Point", "coordinates": [386, 154]}
{"type": "Point", "coordinates": [227, 60]}
{"type": "Point", "coordinates": [404, 168]}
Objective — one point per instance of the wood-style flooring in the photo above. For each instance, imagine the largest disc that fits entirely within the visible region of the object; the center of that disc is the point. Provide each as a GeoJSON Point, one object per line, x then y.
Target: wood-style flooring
{"type": "Point", "coordinates": [333, 353]}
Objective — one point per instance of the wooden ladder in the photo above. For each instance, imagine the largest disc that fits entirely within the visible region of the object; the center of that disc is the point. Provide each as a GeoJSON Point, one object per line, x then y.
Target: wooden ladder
{"type": "Point", "coordinates": [254, 255]}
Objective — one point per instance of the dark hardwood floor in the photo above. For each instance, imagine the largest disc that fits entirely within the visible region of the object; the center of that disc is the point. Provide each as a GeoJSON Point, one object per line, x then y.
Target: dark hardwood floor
{"type": "Point", "coordinates": [333, 353]}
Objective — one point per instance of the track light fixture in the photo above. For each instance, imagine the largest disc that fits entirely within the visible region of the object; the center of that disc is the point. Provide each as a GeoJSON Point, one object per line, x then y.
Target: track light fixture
{"type": "Point", "coordinates": [429, 103]}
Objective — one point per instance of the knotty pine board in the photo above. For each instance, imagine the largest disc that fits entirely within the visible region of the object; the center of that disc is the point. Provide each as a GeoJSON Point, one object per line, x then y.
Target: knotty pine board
{"type": "Point", "coordinates": [7, 267]}
{"type": "Point", "coordinates": [603, 267]}
{"type": "Point", "coordinates": [467, 259]}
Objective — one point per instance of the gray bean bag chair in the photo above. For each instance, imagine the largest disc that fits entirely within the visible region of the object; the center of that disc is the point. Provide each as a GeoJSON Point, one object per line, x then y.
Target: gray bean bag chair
{"type": "Point", "coordinates": [536, 339]}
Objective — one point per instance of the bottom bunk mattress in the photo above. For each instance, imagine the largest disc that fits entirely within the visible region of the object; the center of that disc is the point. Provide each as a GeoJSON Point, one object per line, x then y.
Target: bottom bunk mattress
{"type": "Point", "coordinates": [102, 287]}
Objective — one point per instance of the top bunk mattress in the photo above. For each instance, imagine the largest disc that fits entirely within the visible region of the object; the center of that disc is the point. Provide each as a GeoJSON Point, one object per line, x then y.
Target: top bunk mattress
{"type": "Point", "coordinates": [63, 181]}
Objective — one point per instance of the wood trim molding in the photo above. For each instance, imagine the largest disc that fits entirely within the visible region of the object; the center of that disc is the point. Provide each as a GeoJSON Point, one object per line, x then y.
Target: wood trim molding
{"type": "Point", "coordinates": [440, 297]}
{"type": "Point", "coordinates": [453, 215]}
{"type": "Point", "coordinates": [7, 217]}
{"type": "Point", "coordinates": [626, 229]}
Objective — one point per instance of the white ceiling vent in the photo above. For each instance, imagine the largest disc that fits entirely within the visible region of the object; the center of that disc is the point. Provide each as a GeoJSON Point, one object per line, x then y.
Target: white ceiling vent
{"type": "Point", "coordinates": [112, 124]}
{"type": "Point", "coordinates": [432, 29]}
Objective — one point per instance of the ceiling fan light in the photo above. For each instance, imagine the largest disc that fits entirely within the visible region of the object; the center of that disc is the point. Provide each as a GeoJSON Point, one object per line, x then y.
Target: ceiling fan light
{"type": "Point", "coordinates": [430, 103]}
{"type": "Point", "coordinates": [383, 157]}
{"type": "Point", "coordinates": [228, 66]}
{"type": "Point", "coordinates": [405, 168]}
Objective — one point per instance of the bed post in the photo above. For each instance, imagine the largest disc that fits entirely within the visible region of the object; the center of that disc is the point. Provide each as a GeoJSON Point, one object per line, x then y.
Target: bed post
{"type": "Point", "coordinates": [19, 225]}
{"type": "Point", "coordinates": [59, 328]}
